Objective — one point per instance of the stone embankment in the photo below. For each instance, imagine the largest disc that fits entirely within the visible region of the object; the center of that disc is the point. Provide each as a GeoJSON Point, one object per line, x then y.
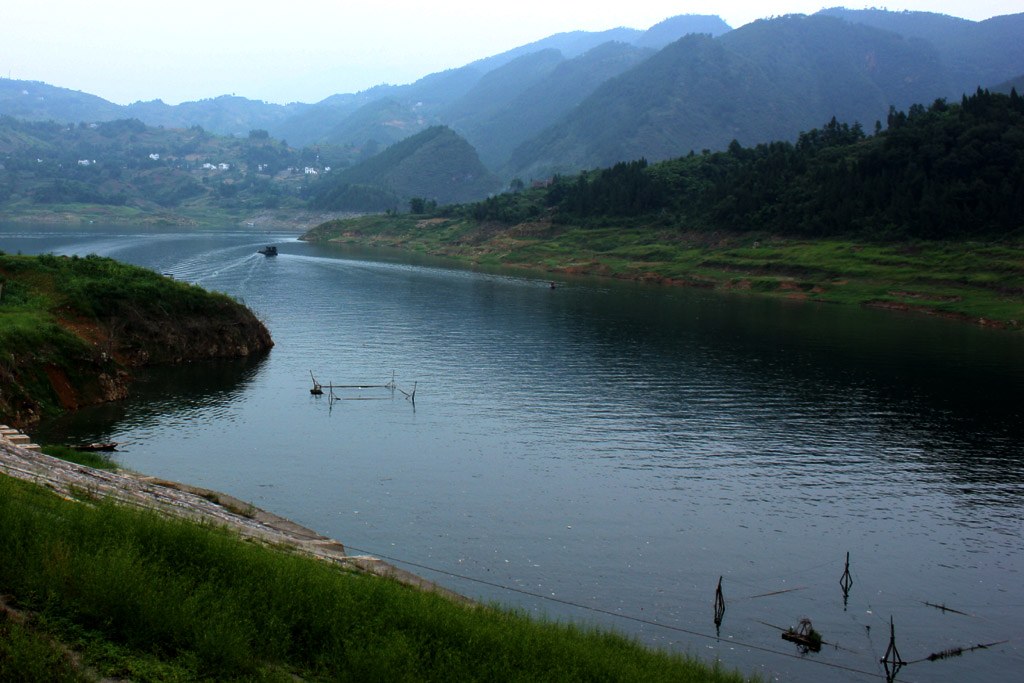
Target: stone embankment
{"type": "Point", "coordinates": [22, 460]}
{"type": "Point", "coordinates": [17, 438]}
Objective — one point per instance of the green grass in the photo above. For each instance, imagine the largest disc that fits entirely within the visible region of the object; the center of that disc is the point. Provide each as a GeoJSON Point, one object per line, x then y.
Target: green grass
{"type": "Point", "coordinates": [28, 656]}
{"type": "Point", "coordinates": [972, 281]}
{"type": "Point", "coordinates": [97, 460]}
{"type": "Point", "coordinates": [148, 598]}
{"type": "Point", "coordinates": [70, 326]}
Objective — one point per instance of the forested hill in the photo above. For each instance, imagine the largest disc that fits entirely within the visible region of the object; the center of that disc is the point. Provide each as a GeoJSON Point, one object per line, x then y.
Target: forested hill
{"type": "Point", "coordinates": [435, 164]}
{"type": "Point", "coordinates": [125, 170]}
{"type": "Point", "coordinates": [131, 170]}
{"type": "Point", "coordinates": [942, 171]}
{"type": "Point", "coordinates": [765, 81]}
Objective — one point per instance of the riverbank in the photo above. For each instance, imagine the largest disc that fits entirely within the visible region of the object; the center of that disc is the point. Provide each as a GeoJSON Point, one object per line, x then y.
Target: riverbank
{"type": "Point", "coordinates": [70, 481]}
{"type": "Point", "coordinates": [246, 595]}
{"type": "Point", "coordinates": [71, 329]}
{"type": "Point", "coordinates": [974, 282]}
{"type": "Point", "coordinates": [156, 217]}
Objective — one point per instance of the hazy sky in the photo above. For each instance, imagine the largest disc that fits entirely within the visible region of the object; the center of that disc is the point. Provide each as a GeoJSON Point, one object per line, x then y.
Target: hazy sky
{"type": "Point", "coordinates": [130, 50]}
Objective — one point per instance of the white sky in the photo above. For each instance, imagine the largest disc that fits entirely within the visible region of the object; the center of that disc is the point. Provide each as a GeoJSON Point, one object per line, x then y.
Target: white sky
{"type": "Point", "coordinates": [130, 50]}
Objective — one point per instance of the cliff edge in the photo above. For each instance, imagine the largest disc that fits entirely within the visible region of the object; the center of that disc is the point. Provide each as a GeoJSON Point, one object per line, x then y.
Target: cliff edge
{"type": "Point", "coordinates": [71, 330]}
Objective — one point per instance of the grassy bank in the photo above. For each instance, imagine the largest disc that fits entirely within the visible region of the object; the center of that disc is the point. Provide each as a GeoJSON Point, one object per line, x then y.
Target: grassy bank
{"type": "Point", "coordinates": [138, 596]}
{"type": "Point", "coordinates": [976, 282]}
{"type": "Point", "coordinates": [95, 459]}
{"type": "Point", "coordinates": [197, 217]}
{"type": "Point", "coordinates": [70, 328]}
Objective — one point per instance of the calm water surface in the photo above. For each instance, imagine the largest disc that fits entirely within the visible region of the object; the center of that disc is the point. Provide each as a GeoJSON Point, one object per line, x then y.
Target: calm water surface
{"type": "Point", "coordinates": [609, 445]}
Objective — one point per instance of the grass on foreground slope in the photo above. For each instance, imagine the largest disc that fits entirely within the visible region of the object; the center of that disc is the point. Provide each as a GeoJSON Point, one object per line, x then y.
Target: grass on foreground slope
{"type": "Point", "coordinates": [970, 280]}
{"type": "Point", "coordinates": [151, 599]}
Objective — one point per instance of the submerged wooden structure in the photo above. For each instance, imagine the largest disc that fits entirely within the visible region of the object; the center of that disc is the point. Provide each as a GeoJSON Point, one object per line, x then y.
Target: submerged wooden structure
{"type": "Point", "coordinates": [318, 389]}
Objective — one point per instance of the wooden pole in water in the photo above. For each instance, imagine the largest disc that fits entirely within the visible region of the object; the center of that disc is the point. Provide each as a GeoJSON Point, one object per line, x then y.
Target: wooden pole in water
{"type": "Point", "coordinates": [719, 605]}
{"type": "Point", "coordinates": [846, 581]}
{"type": "Point", "coordinates": [892, 655]}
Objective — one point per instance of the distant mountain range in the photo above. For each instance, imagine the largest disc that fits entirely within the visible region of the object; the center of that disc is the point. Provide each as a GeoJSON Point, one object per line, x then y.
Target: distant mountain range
{"type": "Point", "coordinates": [587, 99]}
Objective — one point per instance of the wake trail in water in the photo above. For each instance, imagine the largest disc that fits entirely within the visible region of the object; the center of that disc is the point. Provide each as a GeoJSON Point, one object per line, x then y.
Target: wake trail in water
{"type": "Point", "coordinates": [213, 265]}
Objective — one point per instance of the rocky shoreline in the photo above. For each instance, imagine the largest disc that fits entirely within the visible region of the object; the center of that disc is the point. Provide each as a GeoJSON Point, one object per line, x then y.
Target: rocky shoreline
{"type": "Point", "coordinates": [81, 483]}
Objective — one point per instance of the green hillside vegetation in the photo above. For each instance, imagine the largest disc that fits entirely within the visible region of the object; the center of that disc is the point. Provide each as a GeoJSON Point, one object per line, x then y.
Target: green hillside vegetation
{"type": "Point", "coordinates": [225, 115]}
{"type": "Point", "coordinates": [925, 215]}
{"type": "Point", "coordinates": [435, 164]}
{"type": "Point", "coordinates": [36, 101]}
{"type": "Point", "coordinates": [139, 597]}
{"type": "Point", "coordinates": [71, 328]}
{"type": "Point", "coordinates": [379, 123]}
{"type": "Point", "coordinates": [310, 125]}
{"type": "Point", "coordinates": [124, 169]}
{"type": "Point", "coordinates": [938, 172]}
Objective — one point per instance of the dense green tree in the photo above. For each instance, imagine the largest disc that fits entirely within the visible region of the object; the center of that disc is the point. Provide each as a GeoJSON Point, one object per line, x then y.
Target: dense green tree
{"type": "Point", "coordinates": [938, 171]}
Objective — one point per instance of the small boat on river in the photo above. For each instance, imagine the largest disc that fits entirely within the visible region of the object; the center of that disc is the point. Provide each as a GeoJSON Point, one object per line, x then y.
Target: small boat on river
{"type": "Point", "coordinates": [105, 446]}
{"type": "Point", "coordinates": [270, 250]}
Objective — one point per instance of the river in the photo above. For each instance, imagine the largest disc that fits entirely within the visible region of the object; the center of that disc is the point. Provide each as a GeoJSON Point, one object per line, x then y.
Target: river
{"type": "Point", "coordinates": [603, 451]}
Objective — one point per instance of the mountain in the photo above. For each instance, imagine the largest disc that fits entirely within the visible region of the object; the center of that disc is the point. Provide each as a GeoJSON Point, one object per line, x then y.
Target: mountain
{"type": "Point", "coordinates": [1013, 84]}
{"type": "Point", "coordinates": [435, 164]}
{"type": "Point", "coordinates": [466, 98]}
{"type": "Point", "coordinates": [326, 119]}
{"type": "Point", "coordinates": [694, 92]}
{"type": "Point", "coordinates": [547, 100]}
{"type": "Point", "coordinates": [575, 43]}
{"type": "Point", "coordinates": [225, 115]}
{"type": "Point", "coordinates": [307, 126]}
{"type": "Point", "coordinates": [585, 99]}
{"type": "Point", "coordinates": [851, 71]}
{"type": "Point", "coordinates": [470, 98]}
{"type": "Point", "coordinates": [380, 122]}
{"type": "Point", "coordinates": [765, 81]}
{"type": "Point", "coordinates": [35, 101]}
{"type": "Point", "coordinates": [496, 90]}
{"type": "Point", "coordinates": [674, 28]}
{"type": "Point", "coordinates": [974, 53]}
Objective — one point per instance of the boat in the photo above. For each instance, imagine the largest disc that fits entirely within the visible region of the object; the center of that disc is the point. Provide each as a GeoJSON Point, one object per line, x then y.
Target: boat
{"type": "Point", "coordinates": [270, 250]}
{"type": "Point", "coordinates": [105, 446]}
